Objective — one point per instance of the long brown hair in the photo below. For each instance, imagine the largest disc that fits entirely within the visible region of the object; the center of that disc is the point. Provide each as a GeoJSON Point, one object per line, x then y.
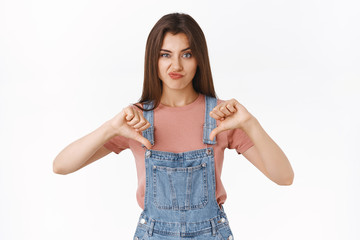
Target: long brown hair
{"type": "Point", "coordinates": [175, 23]}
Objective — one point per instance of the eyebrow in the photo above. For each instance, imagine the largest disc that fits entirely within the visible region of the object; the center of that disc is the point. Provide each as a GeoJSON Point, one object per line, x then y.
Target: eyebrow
{"type": "Point", "coordinates": [170, 51]}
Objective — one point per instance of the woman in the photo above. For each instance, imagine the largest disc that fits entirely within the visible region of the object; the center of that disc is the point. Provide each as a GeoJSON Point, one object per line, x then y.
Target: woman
{"type": "Point", "coordinates": [178, 132]}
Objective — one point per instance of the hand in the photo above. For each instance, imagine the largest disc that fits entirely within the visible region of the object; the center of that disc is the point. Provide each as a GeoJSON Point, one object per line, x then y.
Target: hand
{"type": "Point", "coordinates": [231, 114]}
{"type": "Point", "coordinates": [129, 123]}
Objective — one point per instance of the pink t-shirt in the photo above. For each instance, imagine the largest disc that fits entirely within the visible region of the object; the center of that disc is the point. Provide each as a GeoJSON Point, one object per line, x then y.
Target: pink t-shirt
{"type": "Point", "coordinates": [180, 129]}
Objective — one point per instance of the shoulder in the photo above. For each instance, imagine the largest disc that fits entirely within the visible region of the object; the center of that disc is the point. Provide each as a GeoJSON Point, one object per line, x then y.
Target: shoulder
{"type": "Point", "coordinates": [218, 100]}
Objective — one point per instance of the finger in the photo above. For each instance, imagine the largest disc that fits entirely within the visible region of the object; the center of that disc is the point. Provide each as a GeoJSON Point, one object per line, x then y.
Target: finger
{"type": "Point", "coordinates": [231, 108]}
{"type": "Point", "coordinates": [129, 114]}
{"type": "Point", "coordinates": [215, 132]}
{"type": "Point", "coordinates": [142, 121]}
{"type": "Point", "coordinates": [214, 115]}
{"type": "Point", "coordinates": [146, 126]}
{"type": "Point", "coordinates": [218, 112]}
{"type": "Point", "coordinates": [140, 124]}
{"type": "Point", "coordinates": [143, 140]}
{"type": "Point", "coordinates": [224, 110]}
{"type": "Point", "coordinates": [135, 119]}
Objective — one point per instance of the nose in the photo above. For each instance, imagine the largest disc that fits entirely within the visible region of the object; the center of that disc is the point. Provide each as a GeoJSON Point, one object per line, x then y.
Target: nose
{"type": "Point", "coordinates": [176, 64]}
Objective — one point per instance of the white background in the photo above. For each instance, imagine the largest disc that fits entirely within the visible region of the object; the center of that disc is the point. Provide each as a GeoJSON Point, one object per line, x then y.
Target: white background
{"type": "Point", "coordinates": [68, 66]}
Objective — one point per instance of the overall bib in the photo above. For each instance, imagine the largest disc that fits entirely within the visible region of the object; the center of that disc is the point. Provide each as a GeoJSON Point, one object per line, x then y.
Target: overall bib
{"type": "Point", "coordinates": [180, 200]}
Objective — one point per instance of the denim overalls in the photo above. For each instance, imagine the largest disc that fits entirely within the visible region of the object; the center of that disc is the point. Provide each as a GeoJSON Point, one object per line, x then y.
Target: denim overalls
{"type": "Point", "coordinates": [180, 198]}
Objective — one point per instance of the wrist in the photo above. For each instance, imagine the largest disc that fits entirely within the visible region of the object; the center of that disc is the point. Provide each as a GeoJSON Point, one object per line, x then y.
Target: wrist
{"type": "Point", "coordinates": [109, 130]}
{"type": "Point", "coordinates": [249, 123]}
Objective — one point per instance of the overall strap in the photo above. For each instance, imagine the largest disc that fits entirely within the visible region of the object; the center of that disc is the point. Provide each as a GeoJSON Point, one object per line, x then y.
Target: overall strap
{"type": "Point", "coordinates": [149, 116]}
{"type": "Point", "coordinates": [210, 123]}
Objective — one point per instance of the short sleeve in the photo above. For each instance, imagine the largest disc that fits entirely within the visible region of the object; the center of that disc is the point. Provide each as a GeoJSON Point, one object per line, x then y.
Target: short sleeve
{"type": "Point", "coordinates": [239, 140]}
{"type": "Point", "coordinates": [117, 144]}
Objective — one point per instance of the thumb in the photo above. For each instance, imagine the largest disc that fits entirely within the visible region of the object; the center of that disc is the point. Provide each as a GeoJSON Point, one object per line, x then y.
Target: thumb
{"type": "Point", "coordinates": [143, 140]}
{"type": "Point", "coordinates": [215, 132]}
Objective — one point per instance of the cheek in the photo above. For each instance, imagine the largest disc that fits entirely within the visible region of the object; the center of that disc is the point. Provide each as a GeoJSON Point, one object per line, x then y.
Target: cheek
{"type": "Point", "coordinates": [192, 67]}
{"type": "Point", "coordinates": [195, 67]}
{"type": "Point", "coordinates": [194, 64]}
{"type": "Point", "coordinates": [160, 68]}
{"type": "Point", "coordinates": [162, 65]}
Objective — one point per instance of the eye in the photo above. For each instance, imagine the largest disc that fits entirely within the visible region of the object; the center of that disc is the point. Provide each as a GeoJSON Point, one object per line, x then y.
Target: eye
{"type": "Point", "coordinates": [166, 55]}
{"type": "Point", "coordinates": [187, 55]}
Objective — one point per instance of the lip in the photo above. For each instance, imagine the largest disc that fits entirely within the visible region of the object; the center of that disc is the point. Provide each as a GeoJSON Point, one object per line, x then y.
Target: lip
{"type": "Point", "coordinates": [174, 75]}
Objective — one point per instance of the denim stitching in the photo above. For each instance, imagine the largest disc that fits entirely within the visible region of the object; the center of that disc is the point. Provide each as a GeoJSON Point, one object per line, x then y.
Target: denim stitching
{"type": "Point", "coordinates": [199, 202]}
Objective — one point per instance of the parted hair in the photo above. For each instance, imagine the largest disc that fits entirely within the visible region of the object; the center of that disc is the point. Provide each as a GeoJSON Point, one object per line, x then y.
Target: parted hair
{"type": "Point", "coordinates": [175, 23]}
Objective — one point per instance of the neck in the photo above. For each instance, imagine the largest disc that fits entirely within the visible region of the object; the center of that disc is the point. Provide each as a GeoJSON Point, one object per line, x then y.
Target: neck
{"type": "Point", "coordinates": [176, 98]}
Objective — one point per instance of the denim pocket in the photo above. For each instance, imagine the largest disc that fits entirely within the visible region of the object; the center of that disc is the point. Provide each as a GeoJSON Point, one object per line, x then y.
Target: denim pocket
{"type": "Point", "coordinates": [180, 188]}
{"type": "Point", "coordinates": [141, 234]}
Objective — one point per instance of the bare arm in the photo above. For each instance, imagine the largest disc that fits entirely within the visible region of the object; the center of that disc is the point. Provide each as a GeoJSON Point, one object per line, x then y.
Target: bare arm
{"type": "Point", "coordinates": [128, 123]}
{"type": "Point", "coordinates": [75, 155]}
{"type": "Point", "coordinates": [266, 155]}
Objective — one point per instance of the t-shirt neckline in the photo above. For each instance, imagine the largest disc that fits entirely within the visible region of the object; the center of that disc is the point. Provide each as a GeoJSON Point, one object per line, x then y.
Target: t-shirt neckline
{"type": "Point", "coordinates": [181, 108]}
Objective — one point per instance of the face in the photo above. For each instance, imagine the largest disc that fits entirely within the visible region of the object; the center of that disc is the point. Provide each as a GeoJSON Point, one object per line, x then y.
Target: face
{"type": "Point", "coordinates": [177, 66]}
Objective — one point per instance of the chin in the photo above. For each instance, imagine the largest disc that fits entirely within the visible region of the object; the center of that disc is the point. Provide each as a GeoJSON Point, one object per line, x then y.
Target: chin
{"type": "Point", "coordinates": [178, 84]}
{"type": "Point", "coordinates": [181, 86]}
{"type": "Point", "coordinates": [175, 86]}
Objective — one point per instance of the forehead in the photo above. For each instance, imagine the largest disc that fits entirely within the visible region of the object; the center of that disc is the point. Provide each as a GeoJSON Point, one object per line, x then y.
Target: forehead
{"type": "Point", "coordinates": [175, 42]}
